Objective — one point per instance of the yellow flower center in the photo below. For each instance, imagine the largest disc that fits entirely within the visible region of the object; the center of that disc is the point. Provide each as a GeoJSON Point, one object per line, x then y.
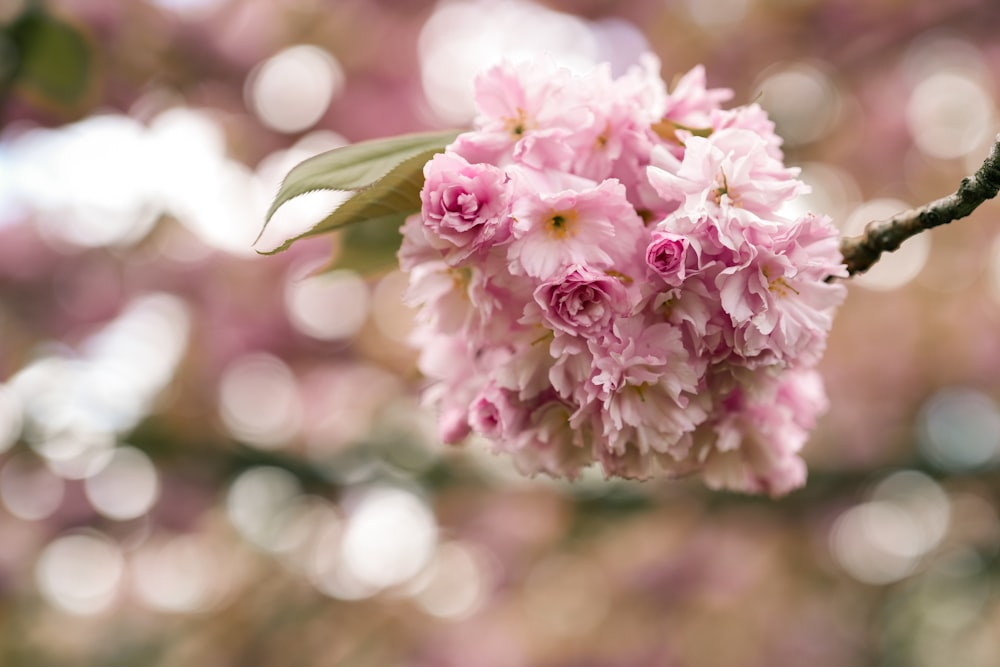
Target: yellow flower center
{"type": "Point", "coordinates": [667, 307]}
{"type": "Point", "coordinates": [460, 278]}
{"type": "Point", "coordinates": [602, 139]}
{"type": "Point", "coordinates": [561, 224]}
{"type": "Point", "coordinates": [723, 188]}
{"type": "Point", "coordinates": [619, 275]}
{"type": "Point", "coordinates": [779, 285]}
{"type": "Point", "coordinates": [519, 124]}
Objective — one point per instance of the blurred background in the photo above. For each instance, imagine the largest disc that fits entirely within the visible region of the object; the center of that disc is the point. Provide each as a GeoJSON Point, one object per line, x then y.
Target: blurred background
{"type": "Point", "coordinates": [208, 457]}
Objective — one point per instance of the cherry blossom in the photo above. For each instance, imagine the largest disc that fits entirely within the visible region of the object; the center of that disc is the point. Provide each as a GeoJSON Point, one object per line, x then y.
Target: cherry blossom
{"type": "Point", "coordinates": [465, 206]}
{"type": "Point", "coordinates": [605, 275]}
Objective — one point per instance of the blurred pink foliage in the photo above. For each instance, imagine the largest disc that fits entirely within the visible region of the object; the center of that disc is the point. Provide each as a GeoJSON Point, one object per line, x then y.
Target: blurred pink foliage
{"type": "Point", "coordinates": [200, 465]}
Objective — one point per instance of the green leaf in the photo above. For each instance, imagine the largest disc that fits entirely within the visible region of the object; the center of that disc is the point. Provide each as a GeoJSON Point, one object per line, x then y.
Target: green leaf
{"type": "Point", "coordinates": [368, 248]}
{"type": "Point", "coordinates": [386, 203]}
{"type": "Point", "coordinates": [54, 59]}
{"type": "Point", "coordinates": [357, 166]}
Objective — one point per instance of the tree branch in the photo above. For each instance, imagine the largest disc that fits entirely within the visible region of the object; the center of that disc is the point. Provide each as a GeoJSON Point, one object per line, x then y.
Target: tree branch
{"type": "Point", "coordinates": [861, 252]}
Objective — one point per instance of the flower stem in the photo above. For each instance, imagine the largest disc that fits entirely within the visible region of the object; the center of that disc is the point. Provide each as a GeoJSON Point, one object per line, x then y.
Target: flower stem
{"type": "Point", "coordinates": [861, 252]}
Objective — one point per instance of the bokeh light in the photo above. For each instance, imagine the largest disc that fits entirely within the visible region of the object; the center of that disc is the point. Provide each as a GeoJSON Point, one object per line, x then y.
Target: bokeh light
{"type": "Point", "coordinates": [80, 572]}
{"type": "Point", "coordinates": [330, 306]}
{"type": "Point", "coordinates": [101, 165]}
{"type": "Point", "coordinates": [922, 498]}
{"type": "Point", "coordinates": [218, 199]}
{"type": "Point", "coordinates": [125, 487]}
{"type": "Point", "coordinates": [291, 91]}
{"type": "Point", "coordinates": [883, 539]}
{"type": "Point", "coordinates": [455, 583]}
{"type": "Point", "coordinates": [716, 14]}
{"type": "Point", "coordinates": [29, 490]}
{"type": "Point", "coordinates": [189, 7]}
{"type": "Point", "coordinates": [11, 417]}
{"type": "Point", "coordinates": [802, 100]}
{"type": "Point", "coordinates": [834, 191]}
{"type": "Point", "coordinates": [877, 542]}
{"type": "Point", "coordinates": [461, 39]}
{"type": "Point", "coordinates": [75, 454]}
{"type": "Point", "coordinates": [259, 401]}
{"type": "Point", "coordinates": [179, 574]}
{"type": "Point", "coordinates": [326, 569]}
{"type": "Point", "coordinates": [951, 114]}
{"type": "Point", "coordinates": [959, 429]}
{"type": "Point", "coordinates": [74, 406]}
{"type": "Point", "coordinates": [389, 537]}
{"type": "Point", "coordinates": [338, 412]}
{"type": "Point", "coordinates": [391, 315]}
{"type": "Point", "coordinates": [134, 357]}
{"type": "Point", "coordinates": [259, 505]}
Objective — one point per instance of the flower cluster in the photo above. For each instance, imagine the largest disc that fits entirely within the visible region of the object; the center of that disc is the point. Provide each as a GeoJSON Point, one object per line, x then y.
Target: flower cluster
{"type": "Point", "coordinates": [604, 273]}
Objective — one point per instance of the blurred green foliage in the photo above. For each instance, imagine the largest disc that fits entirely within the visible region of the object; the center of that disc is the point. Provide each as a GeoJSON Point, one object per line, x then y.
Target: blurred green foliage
{"type": "Point", "coordinates": [46, 58]}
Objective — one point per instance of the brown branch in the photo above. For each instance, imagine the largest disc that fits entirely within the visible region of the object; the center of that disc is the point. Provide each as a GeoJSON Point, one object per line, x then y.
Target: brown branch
{"type": "Point", "coordinates": [861, 252]}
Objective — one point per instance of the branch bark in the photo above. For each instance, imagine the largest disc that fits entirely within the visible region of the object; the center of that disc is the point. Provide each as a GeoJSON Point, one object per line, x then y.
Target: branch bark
{"type": "Point", "coordinates": [861, 252]}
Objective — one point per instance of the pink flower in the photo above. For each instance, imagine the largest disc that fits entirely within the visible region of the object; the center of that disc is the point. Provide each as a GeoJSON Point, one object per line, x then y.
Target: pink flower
{"type": "Point", "coordinates": [452, 392]}
{"type": "Point", "coordinates": [465, 207]}
{"type": "Point", "coordinates": [731, 167]}
{"type": "Point", "coordinates": [415, 249]}
{"type": "Point", "coordinates": [548, 444]}
{"type": "Point", "coordinates": [644, 390]}
{"type": "Point", "coordinates": [780, 302]}
{"type": "Point", "coordinates": [495, 413]}
{"type": "Point", "coordinates": [666, 255]}
{"type": "Point", "coordinates": [591, 227]}
{"type": "Point", "coordinates": [690, 103]}
{"type": "Point", "coordinates": [443, 293]}
{"type": "Point", "coordinates": [526, 371]}
{"type": "Point", "coordinates": [753, 118]}
{"type": "Point", "coordinates": [526, 113]}
{"type": "Point", "coordinates": [573, 368]}
{"type": "Point", "coordinates": [618, 139]}
{"type": "Point", "coordinates": [604, 276]}
{"type": "Point", "coordinates": [759, 434]}
{"type": "Point", "coordinates": [582, 301]}
{"type": "Point", "coordinates": [640, 353]}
